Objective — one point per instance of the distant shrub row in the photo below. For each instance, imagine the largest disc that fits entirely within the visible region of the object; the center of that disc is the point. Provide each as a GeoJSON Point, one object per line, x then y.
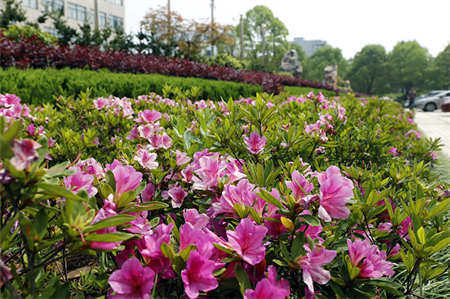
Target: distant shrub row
{"type": "Point", "coordinates": [41, 86]}
{"type": "Point", "coordinates": [33, 53]}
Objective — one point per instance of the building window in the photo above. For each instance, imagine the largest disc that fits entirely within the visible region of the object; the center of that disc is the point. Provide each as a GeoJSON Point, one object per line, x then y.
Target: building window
{"type": "Point", "coordinates": [101, 19]}
{"type": "Point", "coordinates": [31, 4]}
{"type": "Point", "coordinates": [92, 16]}
{"type": "Point", "coordinates": [115, 22]}
{"type": "Point", "coordinates": [76, 12]}
{"type": "Point", "coordinates": [115, 2]}
{"type": "Point", "coordinates": [53, 5]}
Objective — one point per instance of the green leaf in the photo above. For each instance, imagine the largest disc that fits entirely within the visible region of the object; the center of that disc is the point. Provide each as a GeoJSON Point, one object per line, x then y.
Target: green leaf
{"type": "Point", "coordinates": [148, 206]}
{"type": "Point", "coordinates": [168, 251]}
{"type": "Point", "coordinates": [58, 190]}
{"type": "Point", "coordinates": [439, 208]}
{"type": "Point", "coordinates": [187, 251]}
{"type": "Point", "coordinates": [311, 220]}
{"type": "Point", "coordinates": [109, 222]}
{"type": "Point", "coordinates": [126, 198]}
{"type": "Point", "coordinates": [389, 286]}
{"type": "Point", "coordinates": [223, 248]}
{"type": "Point", "coordinates": [421, 235]}
{"type": "Point", "coordinates": [112, 237]}
{"type": "Point", "coordinates": [242, 278]}
{"type": "Point", "coordinates": [270, 198]}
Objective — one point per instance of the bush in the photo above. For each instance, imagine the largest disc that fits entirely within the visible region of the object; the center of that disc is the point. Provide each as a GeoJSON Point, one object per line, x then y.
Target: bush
{"type": "Point", "coordinates": [32, 53]}
{"type": "Point", "coordinates": [20, 32]}
{"type": "Point", "coordinates": [267, 195]}
{"type": "Point", "coordinates": [43, 86]}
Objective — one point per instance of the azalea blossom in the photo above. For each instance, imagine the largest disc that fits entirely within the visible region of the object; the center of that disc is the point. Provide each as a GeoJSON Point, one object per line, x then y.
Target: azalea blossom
{"type": "Point", "coordinates": [198, 275]}
{"type": "Point", "coordinates": [299, 185]}
{"type": "Point", "coordinates": [24, 153]}
{"type": "Point", "coordinates": [269, 287]}
{"type": "Point", "coordinates": [247, 240]}
{"type": "Point", "coordinates": [148, 116]}
{"type": "Point", "coordinates": [146, 159]}
{"type": "Point", "coordinates": [255, 143]}
{"type": "Point", "coordinates": [335, 191]}
{"type": "Point", "coordinates": [80, 181]}
{"type": "Point", "coordinates": [393, 151]}
{"type": "Point", "coordinates": [312, 265]}
{"type": "Point", "coordinates": [177, 194]}
{"type": "Point", "coordinates": [127, 178]}
{"type": "Point", "coordinates": [369, 259]}
{"type": "Point", "coordinates": [196, 219]}
{"type": "Point", "coordinates": [132, 280]}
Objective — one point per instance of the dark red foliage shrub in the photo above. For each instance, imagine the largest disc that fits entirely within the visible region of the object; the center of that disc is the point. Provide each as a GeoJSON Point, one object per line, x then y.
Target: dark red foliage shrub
{"type": "Point", "coordinates": [32, 53]}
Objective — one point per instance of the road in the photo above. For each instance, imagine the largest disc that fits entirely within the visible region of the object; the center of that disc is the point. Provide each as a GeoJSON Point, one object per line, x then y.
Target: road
{"type": "Point", "coordinates": [435, 124]}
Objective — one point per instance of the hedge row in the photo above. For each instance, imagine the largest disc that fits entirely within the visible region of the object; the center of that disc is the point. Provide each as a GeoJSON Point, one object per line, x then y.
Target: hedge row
{"type": "Point", "coordinates": [41, 86]}
{"type": "Point", "coordinates": [33, 53]}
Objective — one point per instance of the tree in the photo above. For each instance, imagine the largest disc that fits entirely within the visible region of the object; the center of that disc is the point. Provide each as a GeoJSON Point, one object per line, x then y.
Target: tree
{"type": "Point", "coordinates": [314, 68]}
{"type": "Point", "coordinates": [264, 38]}
{"type": "Point", "coordinates": [368, 70]}
{"type": "Point", "coordinates": [438, 76]}
{"type": "Point", "coordinates": [162, 31]}
{"type": "Point", "coordinates": [407, 64]}
{"type": "Point", "coordinates": [11, 13]}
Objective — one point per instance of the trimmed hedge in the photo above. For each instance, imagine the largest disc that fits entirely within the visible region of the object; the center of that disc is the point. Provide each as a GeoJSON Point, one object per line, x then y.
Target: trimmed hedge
{"type": "Point", "coordinates": [37, 86]}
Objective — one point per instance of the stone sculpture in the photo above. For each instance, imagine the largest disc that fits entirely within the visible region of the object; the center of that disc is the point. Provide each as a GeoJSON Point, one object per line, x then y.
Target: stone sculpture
{"type": "Point", "coordinates": [291, 64]}
{"type": "Point", "coordinates": [331, 75]}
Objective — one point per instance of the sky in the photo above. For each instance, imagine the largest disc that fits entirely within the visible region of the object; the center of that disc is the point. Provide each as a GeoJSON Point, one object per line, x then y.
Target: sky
{"type": "Point", "coordinates": [345, 24]}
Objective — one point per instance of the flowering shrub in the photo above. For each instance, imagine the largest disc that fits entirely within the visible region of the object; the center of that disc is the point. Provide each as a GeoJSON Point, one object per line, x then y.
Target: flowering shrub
{"type": "Point", "coordinates": [257, 198]}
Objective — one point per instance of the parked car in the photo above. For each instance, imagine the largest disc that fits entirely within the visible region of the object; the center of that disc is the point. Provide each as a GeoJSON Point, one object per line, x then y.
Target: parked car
{"type": "Point", "coordinates": [432, 100]}
{"type": "Point", "coordinates": [446, 105]}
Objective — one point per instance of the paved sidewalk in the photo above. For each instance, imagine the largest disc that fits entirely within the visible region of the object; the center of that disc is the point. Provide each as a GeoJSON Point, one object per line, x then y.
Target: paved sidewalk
{"type": "Point", "coordinates": [435, 125]}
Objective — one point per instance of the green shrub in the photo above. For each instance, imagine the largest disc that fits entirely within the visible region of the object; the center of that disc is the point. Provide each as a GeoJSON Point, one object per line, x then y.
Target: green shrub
{"type": "Point", "coordinates": [19, 31]}
{"type": "Point", "coordinates": [42, 86]}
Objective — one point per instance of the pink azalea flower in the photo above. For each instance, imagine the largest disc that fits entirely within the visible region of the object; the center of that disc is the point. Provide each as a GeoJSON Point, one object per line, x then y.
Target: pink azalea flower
{"type": "Point", "coordinates": [393, 151]}
{"type": "Point", "coordinates": [312, 263]}
{"type": "Point", "coordinates": [198, 275]}
{"type": "Point", "coordinates": [127, 178]}
{"type": "Point", "coordinates": [181, 158]}
{"type": "Point", "coordinates": [269, 287]}
{"type": "Point", "coordinates": [91, 166]}
{"type": "Point", "coordinates": [196, 219]}
{"type": "Point", "coordinates": [414, 132]}
{"type": "Point", "coordinates": [369, 259]}
{"type": "Point", "coordinates": [207, 173]}
{"type": "Point", "coordinates": [24, 153]}
{"type": "Point", "coordinates": [113, 165]}
{"type": "Point", "coordinates": [148, 116]}
{"type": "Point", "coordinates": [192, 236]}
{"type": "Point", "coordinates": [101, 103]}
{"type": "Point", "coordinates": [132, 280]}
{"type": "Point", "coordinates": [243, 193]}
{"type": "Point", "coordinates": [299, 185]}
{"type": "Point", "coordinates": [148, 192]}
{"type": "Point", "coordinates": [335, 190]}
{"type": "Point", "coordinates": [255, 143]}
{"type": "Point", "coordinates": [177, 194]}
{"type": "Point", "coordinates": [146, 159]}
{"type": "Point", "coordinates": [247, 240]}
{"type": "Point", "coordinates": [151, 250]}
{"type": "Point", "coordinates": [80, 181]}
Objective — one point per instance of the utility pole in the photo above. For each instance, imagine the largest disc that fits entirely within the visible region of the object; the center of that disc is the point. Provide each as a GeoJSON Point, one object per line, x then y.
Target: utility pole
{"type": "Point", "coordinates": [96, 14]}
{"type": "Point", "coordinates": [241, 38]}
{"type": "Point", "coordinates": [168, 17]}
{"type": "Point", "coordinates": [212, 28]}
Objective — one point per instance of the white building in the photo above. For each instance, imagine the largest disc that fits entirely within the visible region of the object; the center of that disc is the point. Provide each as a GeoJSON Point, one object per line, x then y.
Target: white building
{"type": "Point", "coordinates": [77, 12]}
{"type": "Point", "coordinates": [310, 46]}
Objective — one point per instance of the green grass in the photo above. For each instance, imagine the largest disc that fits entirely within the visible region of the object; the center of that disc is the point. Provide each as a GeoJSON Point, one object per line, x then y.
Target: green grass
{"type": "Point", "coordinates": [442, 168]}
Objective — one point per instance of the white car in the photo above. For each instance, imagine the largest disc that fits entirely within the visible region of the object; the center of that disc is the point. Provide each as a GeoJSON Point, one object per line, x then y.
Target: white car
{"type": "Point", "coordinates": [432, 100]}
